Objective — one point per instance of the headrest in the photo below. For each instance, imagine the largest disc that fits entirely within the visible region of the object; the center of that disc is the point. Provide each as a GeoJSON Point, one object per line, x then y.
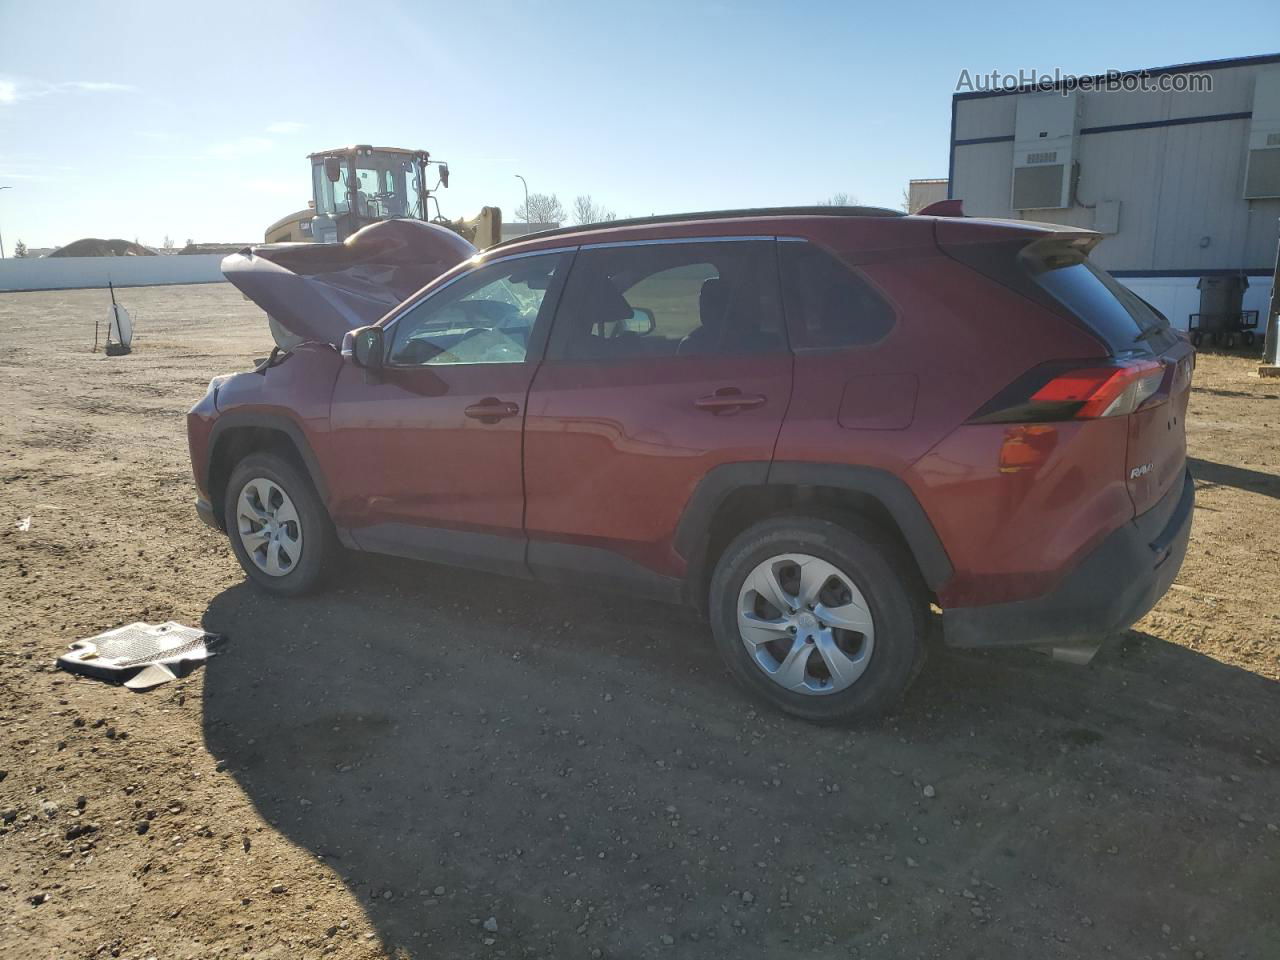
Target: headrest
{"type": "Point", "coordinates": [713, 303]}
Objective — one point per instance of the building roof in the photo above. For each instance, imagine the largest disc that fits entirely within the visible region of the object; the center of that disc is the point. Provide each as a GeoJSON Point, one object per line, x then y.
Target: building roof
{"type": "Point", "coordinates": [1258, 60]}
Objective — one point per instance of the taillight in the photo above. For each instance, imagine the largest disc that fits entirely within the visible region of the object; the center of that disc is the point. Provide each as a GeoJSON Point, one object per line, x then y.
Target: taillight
{"type": "Point", "coordinates": [1075, 391]}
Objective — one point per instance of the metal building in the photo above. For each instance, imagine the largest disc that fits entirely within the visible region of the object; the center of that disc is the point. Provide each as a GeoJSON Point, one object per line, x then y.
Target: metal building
{"type": "Point", "coordinates": [1184, 181]}
{"type": "Point", "coordinates": [921, 193]}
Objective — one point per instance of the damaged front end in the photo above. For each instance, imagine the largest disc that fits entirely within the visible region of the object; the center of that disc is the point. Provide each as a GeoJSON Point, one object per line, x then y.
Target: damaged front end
{"type": "Point", "coordinates": [316, 292]}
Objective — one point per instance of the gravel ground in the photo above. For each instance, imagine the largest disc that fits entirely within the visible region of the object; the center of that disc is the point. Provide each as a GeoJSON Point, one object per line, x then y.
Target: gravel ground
{"type": "Point", "coordinates": [430, 763]}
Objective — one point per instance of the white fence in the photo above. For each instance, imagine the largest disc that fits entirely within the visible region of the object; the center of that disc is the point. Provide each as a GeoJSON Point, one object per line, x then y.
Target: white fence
{"type": "Point", "coordinates": [62, 273]}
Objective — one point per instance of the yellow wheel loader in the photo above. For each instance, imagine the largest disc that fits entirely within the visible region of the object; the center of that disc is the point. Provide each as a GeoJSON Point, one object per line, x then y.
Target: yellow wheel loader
{"type": "Point", "coordinates": [352, 187]}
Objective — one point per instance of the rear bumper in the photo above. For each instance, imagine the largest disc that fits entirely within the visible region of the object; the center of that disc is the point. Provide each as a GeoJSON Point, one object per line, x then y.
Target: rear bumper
{"type": "Point", "coordinates": [1113, 587]}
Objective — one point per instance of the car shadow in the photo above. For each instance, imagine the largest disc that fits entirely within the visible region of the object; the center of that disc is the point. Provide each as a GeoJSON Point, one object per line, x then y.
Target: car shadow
{"type": "Point", "coordinates": [579, 767]}
{"type": "Point", "coordinates": [1255, 481]}
{"type": "Point", "coordinates": [1237, 394]}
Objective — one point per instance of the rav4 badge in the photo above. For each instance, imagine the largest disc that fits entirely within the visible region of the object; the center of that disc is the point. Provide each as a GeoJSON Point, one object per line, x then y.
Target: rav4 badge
{"type": "Point", "coordinates": [1141, 471]}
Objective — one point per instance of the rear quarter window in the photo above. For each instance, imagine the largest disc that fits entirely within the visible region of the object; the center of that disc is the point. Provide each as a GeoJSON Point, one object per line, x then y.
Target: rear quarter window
{"type": "Point", "coordinates": [828, 305]}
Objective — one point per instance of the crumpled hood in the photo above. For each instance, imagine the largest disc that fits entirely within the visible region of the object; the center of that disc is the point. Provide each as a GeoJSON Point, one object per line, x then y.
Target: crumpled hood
{"type": "Point", "coordinates": [319, 291]}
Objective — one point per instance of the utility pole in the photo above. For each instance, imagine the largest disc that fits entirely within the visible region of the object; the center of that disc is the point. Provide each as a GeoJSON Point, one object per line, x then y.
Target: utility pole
{"type": "Point", "coordinates": [526, 202]}
{"type": "Point", "coordinates": [2, 237]}
{"type": "Point", "coordinates": [1270, 366]}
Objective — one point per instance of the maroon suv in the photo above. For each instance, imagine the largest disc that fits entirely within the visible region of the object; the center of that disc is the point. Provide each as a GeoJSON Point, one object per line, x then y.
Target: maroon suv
{"type": "Point", "coordinates": [830, 430]}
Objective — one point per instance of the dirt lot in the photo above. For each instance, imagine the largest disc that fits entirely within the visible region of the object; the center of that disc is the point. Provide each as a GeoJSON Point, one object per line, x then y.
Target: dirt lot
{"type": "Point", "coordinates": [379, 771]}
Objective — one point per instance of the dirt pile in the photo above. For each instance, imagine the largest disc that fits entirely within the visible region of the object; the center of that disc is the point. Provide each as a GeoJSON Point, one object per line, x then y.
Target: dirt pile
{"type": "Point", "coordinates": [94, 247]}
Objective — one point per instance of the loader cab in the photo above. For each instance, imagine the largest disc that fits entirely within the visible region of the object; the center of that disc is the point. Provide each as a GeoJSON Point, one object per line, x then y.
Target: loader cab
{"type": "Point", "coordinates": [353, 187]}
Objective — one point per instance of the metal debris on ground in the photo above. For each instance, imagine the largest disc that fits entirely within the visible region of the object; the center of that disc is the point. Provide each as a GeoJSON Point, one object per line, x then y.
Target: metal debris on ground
{"type": "Point", "coordinates": [140, 655]}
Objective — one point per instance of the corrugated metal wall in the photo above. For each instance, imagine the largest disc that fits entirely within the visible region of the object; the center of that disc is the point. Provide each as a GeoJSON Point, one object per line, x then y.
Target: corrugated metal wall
{"type": "Point", "coordinates": [1177, 184]}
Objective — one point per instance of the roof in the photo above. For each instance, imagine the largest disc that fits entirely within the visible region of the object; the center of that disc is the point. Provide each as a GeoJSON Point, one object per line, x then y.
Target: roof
{"type": "Point", "coordinates": [1259, 60]}
{"type": "Point", "coordinates": [744, 214]}
{"type": "Point", "coordinates": [403, 151]}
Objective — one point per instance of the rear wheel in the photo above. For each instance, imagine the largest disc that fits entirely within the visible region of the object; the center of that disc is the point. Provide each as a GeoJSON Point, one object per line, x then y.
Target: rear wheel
{"type": "Point", "coordinates": [824, 621]}
{"type": "Point", "coordinates": [277, 524]}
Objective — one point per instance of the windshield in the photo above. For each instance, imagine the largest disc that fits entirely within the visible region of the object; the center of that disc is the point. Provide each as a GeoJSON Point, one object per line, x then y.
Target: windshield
{"type": "Point", "coordinates": [386, 186]}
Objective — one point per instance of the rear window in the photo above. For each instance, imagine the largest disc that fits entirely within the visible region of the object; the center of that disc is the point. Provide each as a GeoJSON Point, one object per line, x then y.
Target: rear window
{"type": "Point", "coordinates": [1122, 319]}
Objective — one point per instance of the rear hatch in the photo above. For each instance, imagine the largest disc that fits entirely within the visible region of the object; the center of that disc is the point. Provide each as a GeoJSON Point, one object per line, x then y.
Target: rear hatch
{"type": "Point", "coordinates": [1139, 337]}
{"type": "Point", "coordinates": [1146, 376]}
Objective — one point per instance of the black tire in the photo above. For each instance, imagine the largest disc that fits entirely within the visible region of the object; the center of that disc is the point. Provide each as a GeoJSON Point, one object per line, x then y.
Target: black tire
{"type": "Point", "coordinates": [877, 567]}
{"type": "Point", "coordinates": [1248, 338]}
{"type": "Point", "coordinates": [1196, 338]}
{"type": "Point", "coordinates": [319, 542]}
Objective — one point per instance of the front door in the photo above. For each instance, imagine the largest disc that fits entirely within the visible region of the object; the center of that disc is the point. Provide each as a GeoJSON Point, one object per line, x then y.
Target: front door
{"type": "Point", "coordinates": [430, 454]}
{"type": "Point", "coordinates": [666, 360]}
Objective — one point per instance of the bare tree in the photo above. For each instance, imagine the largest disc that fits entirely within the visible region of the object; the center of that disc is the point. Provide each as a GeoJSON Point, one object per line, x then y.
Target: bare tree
{"type": "Point", "coordinates": [839, 200]}
{"type": "Point", "coordinates": [542, 208]}
{"type": "Point", "coordinates": [586, 210]}
{"type": "Point", "coordinates": [20, 250]}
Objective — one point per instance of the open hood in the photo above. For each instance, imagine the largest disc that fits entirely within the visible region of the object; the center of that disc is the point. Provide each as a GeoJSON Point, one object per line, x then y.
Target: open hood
{"type": "Point", "coordinates": [319, 291]}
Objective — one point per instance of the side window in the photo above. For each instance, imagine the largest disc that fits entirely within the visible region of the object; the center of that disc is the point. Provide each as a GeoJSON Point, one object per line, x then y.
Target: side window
{"type": "Point", "coordinates": [487, 316]}
{"type": "Point", "coordinates": [827, 303]}
{"type": "Point", "coordinates": [668, 300]}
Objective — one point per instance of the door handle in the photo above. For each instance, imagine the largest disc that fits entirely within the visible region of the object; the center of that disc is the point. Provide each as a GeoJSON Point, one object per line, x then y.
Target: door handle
{"type": "Point", "coordinates": [728, 399]}
{"type": "Point", "coordinates": [491, 410]}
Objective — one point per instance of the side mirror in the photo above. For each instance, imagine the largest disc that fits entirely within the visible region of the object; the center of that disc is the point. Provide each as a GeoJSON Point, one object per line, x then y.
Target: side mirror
{"type": "Point", "coordinates": [444, 175]}
{"type": "Point", "coordinates": [368, 350]}
{"type": "Point", "coordinates": [640, 322]}
{"type": "Point", "coordinates": [333, 168]}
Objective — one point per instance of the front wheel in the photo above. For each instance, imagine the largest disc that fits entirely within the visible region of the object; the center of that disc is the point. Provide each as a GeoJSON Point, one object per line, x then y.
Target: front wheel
{"type": "Point", "coordinates": [278, 526]}
{"type": "Point", "coordinates": [824, 620]}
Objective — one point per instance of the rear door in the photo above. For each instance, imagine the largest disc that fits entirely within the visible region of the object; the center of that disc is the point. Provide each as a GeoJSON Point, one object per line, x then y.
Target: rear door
{"type": "Point", "coordinates": [665, 361]}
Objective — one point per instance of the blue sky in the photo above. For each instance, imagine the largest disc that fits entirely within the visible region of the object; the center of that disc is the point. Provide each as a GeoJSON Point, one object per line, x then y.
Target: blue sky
{"type": "Point", "coordinates": [193, 120]}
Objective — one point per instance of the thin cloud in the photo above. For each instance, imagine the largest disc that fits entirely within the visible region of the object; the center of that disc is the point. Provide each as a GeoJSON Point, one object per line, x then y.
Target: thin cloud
{"type": "Point", "coordinates": [13, 90]}
{"type": "Point", "coordinates": [285, 127]}
{"type": "Point", "coordinates": [96, 86]}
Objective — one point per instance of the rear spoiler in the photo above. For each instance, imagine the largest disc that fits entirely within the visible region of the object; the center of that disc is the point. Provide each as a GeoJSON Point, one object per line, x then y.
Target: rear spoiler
{"type": "Point", "coordinates": [1006, 250]}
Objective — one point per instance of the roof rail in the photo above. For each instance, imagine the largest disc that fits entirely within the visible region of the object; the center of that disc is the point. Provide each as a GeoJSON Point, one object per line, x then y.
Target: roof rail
{"type": "Point", "coordinates": [810, 211]}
